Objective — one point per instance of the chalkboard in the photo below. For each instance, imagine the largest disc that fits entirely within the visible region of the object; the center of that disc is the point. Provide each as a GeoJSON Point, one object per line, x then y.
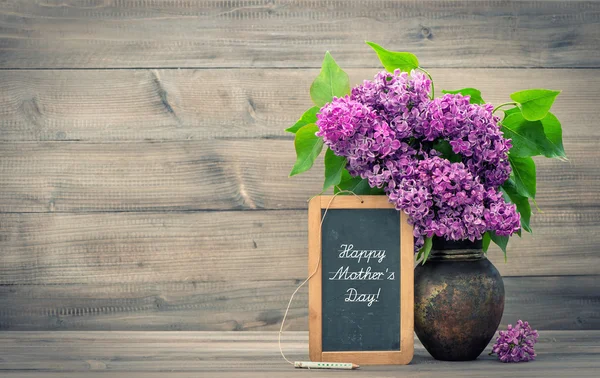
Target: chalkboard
{"type": "Point", "coordinates": [361, 279]}
{"type": "Point", "coordinates": [360, 300]}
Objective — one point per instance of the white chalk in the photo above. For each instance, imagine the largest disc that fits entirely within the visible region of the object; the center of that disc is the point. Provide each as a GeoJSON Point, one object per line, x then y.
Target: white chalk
{"type": "Point", "coordinates": [325, 365]}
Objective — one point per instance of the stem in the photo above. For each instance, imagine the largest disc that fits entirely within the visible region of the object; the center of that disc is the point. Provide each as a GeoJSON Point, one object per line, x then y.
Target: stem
{"type": "Point", "coordinates": [431, 79]}
{"type": "Point", "coordinates": [536, 206]}
{"type": "Point", "coordinates": [322, 191]}
{"type": "Point", "coordinates": [501, 105]}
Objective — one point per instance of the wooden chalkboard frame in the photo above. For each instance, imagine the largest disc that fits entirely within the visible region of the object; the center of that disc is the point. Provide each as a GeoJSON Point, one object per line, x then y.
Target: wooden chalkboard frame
{"type": "Point", "coordinates": [400, 357]}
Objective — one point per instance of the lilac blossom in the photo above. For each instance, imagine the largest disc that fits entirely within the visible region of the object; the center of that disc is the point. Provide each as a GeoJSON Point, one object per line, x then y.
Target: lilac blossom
{"type": "Point", "coordinates": [387, 127]}
{"type": "Point", "coordinates": [473, 132]}
{"type": "Point", "coordinates": [444, 199]}
{"type": "Point", "coordinates": [353, 130]}
{"type": "Point", "coordinates": [516, 343]}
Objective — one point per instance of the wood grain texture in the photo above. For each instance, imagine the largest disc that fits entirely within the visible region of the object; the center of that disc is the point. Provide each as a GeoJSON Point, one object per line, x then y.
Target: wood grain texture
{"type": "Point", "coordinates": [553, 370]}
{"type": "Point", "coordinates": [237, 246]}
{"type": "Point", "coordinates": [153, 198]}
{"type": "Point", "coordinates": [255, 354]}
{"type": "Point", "coordinates": [167, 306]}
{"type": "Point", "coordinates": [259, 33]}
{"type": "Point", "coordinates": [549, 302]}
{"type": "Point", "coordinates": [141, 105]}
{"type": "Point", "coordinates": [220, 175]}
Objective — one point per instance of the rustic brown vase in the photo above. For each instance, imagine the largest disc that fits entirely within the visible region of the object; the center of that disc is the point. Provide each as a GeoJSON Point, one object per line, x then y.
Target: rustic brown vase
{"type": "Point", "coordinates": [459, 301]}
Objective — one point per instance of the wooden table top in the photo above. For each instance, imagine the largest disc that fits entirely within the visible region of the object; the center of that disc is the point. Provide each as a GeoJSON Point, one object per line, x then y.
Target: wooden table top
{"type": "Point", "coordinates": [255, 354]}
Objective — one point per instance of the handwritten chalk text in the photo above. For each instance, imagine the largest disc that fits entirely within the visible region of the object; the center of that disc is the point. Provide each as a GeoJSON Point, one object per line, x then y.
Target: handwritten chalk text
{"type": "Point", "coordinates": [347, 251]}
{"type": "Point", "coordinates": [344, 274]}
{"type": "Point", "coordinates": [352, 295]}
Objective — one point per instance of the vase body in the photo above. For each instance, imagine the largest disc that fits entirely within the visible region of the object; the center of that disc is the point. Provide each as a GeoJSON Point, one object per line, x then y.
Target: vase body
{"type": "Point", "coordinates": [459, 300]}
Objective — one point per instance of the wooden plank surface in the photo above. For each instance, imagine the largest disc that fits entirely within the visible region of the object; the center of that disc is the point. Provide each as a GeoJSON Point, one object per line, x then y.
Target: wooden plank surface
{"type": "Point", "coordinates": [142, 105]}
{"type": "Point", "coordinates": [550, 371]}
{"type": "Point", "coordinates": [233, 245]}
{"type": "Point", "coordinates": [120, 190]}
{"type": "Point", "coordinates": [255, 354]}
{"type": "Point", "coordinates": [219, 175]}
{"type": "Point", "coordinates": [259, 33]}
{"type": "Point", "coordinates": [550, 302]}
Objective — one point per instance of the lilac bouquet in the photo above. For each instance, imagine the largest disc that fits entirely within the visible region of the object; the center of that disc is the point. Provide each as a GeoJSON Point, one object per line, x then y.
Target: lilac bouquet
{"type": "Point", "coordinates": [516, 343]}
{"type": "Point", "coordinates": [450, 163]}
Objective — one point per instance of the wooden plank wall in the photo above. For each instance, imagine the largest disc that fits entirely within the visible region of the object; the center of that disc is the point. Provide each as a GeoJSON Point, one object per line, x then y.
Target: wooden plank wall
{"type": "Point", "coordinates": [143, 162]}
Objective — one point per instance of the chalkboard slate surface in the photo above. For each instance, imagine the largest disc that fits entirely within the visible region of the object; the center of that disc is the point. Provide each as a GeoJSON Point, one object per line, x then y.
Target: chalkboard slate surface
{"type": "Point", "coordinates": [361, 286]}
{"type": "Point", "coordinates": [361, 280]}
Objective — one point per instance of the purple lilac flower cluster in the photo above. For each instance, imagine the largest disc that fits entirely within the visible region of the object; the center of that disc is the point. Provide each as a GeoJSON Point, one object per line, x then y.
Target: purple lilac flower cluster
{"type": "Point", "coordinates": [473, 132]}
{"type": "Point", "coordinates": [386, 128]}
{"type": "Point", "coordinates": [516, 343]}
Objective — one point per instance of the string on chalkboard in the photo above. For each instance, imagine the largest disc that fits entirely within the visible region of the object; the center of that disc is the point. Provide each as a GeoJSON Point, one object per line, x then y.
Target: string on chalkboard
{"type": "Point", "coordinates": [312, 274]}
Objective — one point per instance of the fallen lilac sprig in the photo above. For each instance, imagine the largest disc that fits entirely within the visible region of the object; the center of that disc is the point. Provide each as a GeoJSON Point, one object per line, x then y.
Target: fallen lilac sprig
{"type": "Point", "coordinates": [516, 343]}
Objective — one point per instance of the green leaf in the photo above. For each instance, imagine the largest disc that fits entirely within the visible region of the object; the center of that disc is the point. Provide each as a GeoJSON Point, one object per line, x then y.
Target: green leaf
{"type": "Point", "coordinates": [444, 147]}
{"type": "Point", "coordinates": [500, 241]}
{"type": "Point", "coordinates": [553, 131]}
{"type": "Point", "coordinates": [353, 184]}
{"type": "Point", "coordinates": [423, 253]}
{"type": "Point", "coordinates": [510, 111]}
{"type": "Point", "coordinates": [486, 241]}
{"type": "Point", "coordinates": [309, 116]}
{"type": "Point", "coordinates": [332, 81]}
{"type": "Point", "coordinates": [510, 194]}
{"type": "Point", "coordinates": [523, 175]}
{"type": "Point", "coordinates": [334, 166]}
{"type": "Point", "coordinates": [529, 137]}
{"type": "Point", "coordinates": [391, 60]}
{"type": "Point", "coordinates": [308, 147]}
{"type": "Point", "coordinates": [357, 185]}
{"type": "Point", "coordinates": [474, 93]}
{"type": "Point", "coordinates": [535, 103]}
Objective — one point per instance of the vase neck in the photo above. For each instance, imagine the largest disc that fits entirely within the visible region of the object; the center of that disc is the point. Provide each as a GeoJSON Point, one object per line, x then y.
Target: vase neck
{"type": "Point", "coordinates": [456, 250]}
{"type": "Point", "coordinates": [457, 254]}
